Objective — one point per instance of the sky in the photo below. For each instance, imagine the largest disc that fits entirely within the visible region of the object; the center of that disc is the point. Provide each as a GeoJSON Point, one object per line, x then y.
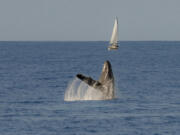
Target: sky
{"type": "Point", "coordinates": [89, 20]}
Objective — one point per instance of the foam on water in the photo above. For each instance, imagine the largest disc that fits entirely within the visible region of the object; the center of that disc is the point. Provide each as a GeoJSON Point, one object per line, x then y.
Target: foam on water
{"type": "Point", "coordinates": [78, 90]}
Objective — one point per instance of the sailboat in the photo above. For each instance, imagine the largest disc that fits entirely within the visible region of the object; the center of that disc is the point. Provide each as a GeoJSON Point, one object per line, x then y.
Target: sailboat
{"type": "Point", "coordinates": [114, 37]}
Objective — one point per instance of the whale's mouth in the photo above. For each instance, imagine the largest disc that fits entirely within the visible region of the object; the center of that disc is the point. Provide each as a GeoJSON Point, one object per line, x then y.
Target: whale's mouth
{"type": "Point", "coordinates": [106, 66]}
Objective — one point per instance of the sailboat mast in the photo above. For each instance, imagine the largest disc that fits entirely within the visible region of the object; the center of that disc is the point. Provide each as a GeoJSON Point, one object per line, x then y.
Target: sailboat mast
{"type": "Point", "coordinates": [114, 37]}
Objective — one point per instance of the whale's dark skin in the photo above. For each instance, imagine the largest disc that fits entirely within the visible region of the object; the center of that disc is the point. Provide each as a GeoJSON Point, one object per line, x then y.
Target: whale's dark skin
{"type": "Point", "coordinates": [105, 83]}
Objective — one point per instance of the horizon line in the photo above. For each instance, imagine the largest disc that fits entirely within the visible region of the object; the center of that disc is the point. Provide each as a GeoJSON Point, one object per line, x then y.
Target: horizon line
{"type": "Point", "coordinates": [88, 41]}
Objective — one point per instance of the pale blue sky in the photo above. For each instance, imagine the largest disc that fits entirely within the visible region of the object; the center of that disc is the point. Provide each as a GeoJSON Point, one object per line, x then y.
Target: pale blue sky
{"type": "Point", "coordinates": [64, 20]}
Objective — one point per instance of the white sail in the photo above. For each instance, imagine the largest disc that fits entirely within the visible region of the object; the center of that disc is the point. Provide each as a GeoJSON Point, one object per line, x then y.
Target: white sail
{"type": "Point", "coordinates": [114, 37]}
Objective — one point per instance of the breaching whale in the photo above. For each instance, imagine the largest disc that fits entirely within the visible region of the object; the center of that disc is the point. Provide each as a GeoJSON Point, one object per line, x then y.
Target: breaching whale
{"type": "Point", "coordinates": [105, 83]}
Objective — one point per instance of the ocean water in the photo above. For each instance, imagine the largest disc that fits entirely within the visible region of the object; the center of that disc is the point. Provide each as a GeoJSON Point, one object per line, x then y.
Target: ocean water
{"type": "Point", "coordinates": [35, 75]}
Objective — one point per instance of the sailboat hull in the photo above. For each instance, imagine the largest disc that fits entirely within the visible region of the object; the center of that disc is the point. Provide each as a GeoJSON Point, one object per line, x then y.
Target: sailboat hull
{"type": "Point", "coordinates": [112, 47]}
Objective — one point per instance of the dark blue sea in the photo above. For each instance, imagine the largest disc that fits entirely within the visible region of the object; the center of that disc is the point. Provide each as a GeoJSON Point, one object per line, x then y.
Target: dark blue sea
{"type": "Point", "coordinates": [34, 77]}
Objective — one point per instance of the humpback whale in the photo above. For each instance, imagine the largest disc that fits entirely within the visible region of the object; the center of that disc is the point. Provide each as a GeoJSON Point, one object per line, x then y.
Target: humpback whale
{"type": "Point", "coordinates": [105, 84]}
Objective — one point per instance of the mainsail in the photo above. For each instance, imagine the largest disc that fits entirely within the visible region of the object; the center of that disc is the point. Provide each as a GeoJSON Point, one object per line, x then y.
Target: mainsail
{"type": "Point", "coordinates": [114, 37]}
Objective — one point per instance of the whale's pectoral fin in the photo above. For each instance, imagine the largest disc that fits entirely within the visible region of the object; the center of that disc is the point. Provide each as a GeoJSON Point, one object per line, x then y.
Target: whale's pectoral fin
{"type": "Point", "coordinates": [93, 83]}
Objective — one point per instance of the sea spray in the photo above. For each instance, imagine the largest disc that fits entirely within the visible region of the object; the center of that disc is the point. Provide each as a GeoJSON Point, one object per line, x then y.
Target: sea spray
{"type": "Point", "coordinates": [78, 90]}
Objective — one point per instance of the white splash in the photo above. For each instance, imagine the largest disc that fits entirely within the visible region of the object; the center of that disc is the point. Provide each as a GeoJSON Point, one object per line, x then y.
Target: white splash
{"type": "Point", "coordinates": [78, 90]}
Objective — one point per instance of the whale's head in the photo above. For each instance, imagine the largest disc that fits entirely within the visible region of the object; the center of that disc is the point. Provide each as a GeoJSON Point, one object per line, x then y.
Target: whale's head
{"type": "Point", "coordinates": [107, 73]}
